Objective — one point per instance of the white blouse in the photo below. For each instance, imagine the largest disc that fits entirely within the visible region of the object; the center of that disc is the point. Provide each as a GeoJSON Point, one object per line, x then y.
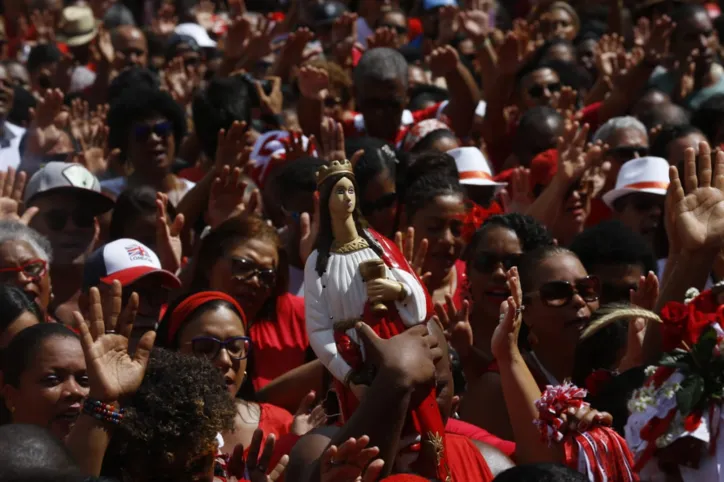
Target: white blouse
{"type": "Point", "coordinates": [340, 295]}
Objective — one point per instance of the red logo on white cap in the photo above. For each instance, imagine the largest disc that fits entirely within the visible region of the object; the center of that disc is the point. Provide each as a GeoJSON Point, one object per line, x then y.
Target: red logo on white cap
{"type": "Point", "coordinates": [137, 253]}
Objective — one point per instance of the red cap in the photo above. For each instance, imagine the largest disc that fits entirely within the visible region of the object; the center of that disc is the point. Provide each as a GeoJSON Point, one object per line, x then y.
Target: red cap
{"type": "Point", "coordinates": [543, 167]}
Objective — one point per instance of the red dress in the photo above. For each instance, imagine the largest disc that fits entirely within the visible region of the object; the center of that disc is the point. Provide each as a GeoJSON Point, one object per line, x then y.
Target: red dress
{"type": "Point", "coordinates": [279, 345]}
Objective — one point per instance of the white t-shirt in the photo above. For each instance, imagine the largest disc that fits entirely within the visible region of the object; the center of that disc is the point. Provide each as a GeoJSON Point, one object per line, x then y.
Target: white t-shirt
{"type": "Point", "coordinates": [10, 150]}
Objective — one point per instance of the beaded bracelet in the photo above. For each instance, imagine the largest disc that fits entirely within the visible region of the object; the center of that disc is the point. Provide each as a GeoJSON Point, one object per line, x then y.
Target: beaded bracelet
{"type": "Point", "coordinates": [103, 411]}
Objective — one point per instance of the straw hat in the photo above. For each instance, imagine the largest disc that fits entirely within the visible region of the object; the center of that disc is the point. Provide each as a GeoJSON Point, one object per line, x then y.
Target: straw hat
{"type": "Point", "coordinates": [77, 26]}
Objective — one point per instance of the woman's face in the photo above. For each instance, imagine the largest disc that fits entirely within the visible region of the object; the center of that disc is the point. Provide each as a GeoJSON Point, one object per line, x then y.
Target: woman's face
{"type": "Point", "coordinates": [559, 24]}
{"type": "Point", "coordinates": [498, 251]}
{"type": "Point", "coordinates": [52, 388]}
{"type": "Point", "coordinates": [33, 279]}
{"type": "Point", "coordinates": [248, 273]}
{"type": "Point", "coordinates": [556, 317]}
{"type": "Point", "coordinates": [440, 222]}
{"type": "Point", "coordinates": [151, 146]}
{"type": "Point", "coordinates": [379, 203]}
{"type": "Point", "coordinates": [25, 320]}
{"type": "Point", "coordinates": [342, 200]}
{"type": "Point", "coordinates": [224, 325]}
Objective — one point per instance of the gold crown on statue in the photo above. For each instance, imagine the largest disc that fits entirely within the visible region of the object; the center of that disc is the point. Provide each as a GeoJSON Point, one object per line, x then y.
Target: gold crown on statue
{"type": "Point", "coordinates": [335, 167]}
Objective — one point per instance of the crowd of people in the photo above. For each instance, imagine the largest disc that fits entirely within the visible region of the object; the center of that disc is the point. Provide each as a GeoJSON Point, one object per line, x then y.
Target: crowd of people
{"type": "Point", "coordinates": [361, 240]}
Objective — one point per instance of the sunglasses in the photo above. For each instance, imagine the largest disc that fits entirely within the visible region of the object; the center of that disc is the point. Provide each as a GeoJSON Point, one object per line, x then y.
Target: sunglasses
{"type": "Point", "coordinates": [208, 347]}
{"type": "Point", "coordinates": [489, 262]}
{"type": "Point", "coordinates": [626, 153]}
{"type": "Point", "coordinates": [34, 269]}
{"type": "Point", "coordinates": [143, 132]}
{"type": "Point", "coordinates": [244, 269]}
{"type": "Point", "coordinates": [397, 28]}
{"type": "Point", "coordinates": [57, 219]}
{"type": "Point", "coordinates": [537, 91]}
{"type": "Point", "coordinates": [384, 202]}
{"type": "Point", "coordinates": [560, 293]}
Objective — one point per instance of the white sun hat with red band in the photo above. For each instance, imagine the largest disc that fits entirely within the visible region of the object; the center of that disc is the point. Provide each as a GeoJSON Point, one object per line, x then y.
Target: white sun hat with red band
{"type": "Point", "coordinates": [643, 175]}
{"type": "Point", "coordinates": [473, 168]}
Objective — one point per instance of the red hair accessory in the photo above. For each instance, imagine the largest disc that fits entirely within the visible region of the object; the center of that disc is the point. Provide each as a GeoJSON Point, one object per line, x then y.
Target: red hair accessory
{"type": "Point", "coordinates": [190, 304]}
{"type": "Point", "coordinates": [475, 217]}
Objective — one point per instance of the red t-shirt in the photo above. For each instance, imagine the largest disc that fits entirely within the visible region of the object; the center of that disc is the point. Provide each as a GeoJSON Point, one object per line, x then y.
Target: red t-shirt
{"type": "Point", "coordinates": [458, 427]}
{"type": "Point", "coordinates": [461, 287]}
{"type": "Point", "coordinates": [466, 462]}
{"type": "Point", "coordinates": [599, 212]}
{"type": "Point", "coordinates": [279, 345]}
{"type": "Point", "coordinates": [354, 125]}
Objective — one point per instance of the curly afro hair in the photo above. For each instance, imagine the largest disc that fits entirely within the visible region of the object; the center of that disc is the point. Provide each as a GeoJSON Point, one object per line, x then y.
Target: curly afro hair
{"type": "Point", "coordinates": [139, 103]}
{"type": "Point", "coordinates": [177, 411]}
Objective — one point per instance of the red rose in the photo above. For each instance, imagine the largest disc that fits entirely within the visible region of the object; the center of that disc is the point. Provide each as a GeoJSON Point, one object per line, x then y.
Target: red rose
{"type": "Point", "coordinates": [674, 316]}
{"type": "Point", "coordinates": [597, 381]}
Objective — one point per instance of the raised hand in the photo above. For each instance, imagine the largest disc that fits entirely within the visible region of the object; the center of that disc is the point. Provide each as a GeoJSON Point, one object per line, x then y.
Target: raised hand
{"type": "Point", "coordinates": [168, 236]}
{"type": "Point", "coordinates": [383, 37]}
{"type": "Point", "coordinates": [45, 130]}
{"type": "Point", "coordinates": [475, 24]}
{"type": "Point", "coordinates": [518, 197]}
{"type": "Point", "coordinates": [180, 81]}
{"type": "Point", "coordinates": [698, 204]}
{"type": "Point", "coordinates": [271, 103]}
{"type": "Point", "coordinates": [204, 14]}
{"type": "Point", "coordinates": [237, 37]}
{"type": "Point", "coordinates": [332, 137]}
{"type": "Point", "coordinates": [165, 20]}
{"type": "Point", "coordinates": [517, 48]}
{"type": "Point", "coordinates": [292, 53]}
{"type": "Point", "coordinates": [12, 186]}
{"type": "Point", "coordinates": [90, 131]}
{"type": "Point", "coordinates": [574, 156]}
{"type": "Point", "coordinates": [443, 60]}
{"type": "Point", "coordinates": [647, 293]}
{"type": "Point", "coordinates": [313, 82]}
{"type": "Point", "coordinates": [44, 24]}
{"type": "Point", "coordinates": [456, 325]}
{"type": "Point", "coordinates": [294, 146]}
{"type": "Point", "coordinates": [656, 46]}
{"type": "Point", "coordinates": [255, 465]}
{"type": "Point", "coordinates": [351, 462]}
{"type": "Point", "coordinates": [447, 24]}
{"type": "Point", "coordinates": [406, 244]}
{"type": "Point", "coordinates": [504, 343]}
{"type": "Point", "coordinates": [231, 147]}
{"type": "Point", "coordinates": [227, 197]}
{"type": "Point", "coordinates": [259, 44]}
{"type": "Point", "coordinates": [344, 38]}
{"type": "Point", "coordinates": [308, 417]}
{"type": "Point", "coordinates": [113, 374]}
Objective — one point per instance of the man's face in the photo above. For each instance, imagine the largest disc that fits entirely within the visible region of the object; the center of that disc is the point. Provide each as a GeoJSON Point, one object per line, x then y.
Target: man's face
{"type": "Point", "coordinates": [6, 92]}
{"type": "Point", "coordinates": [617, 281]}
{"type": "Point", "coordinates": [381, 105]}
{"type": "Point", "coordinates": [641, 212]}
{"type": "Point", "coordinates": [696, 33]}
{"type": "Point", "coordinates": [130, 43]}
{"type": "Point", "coordinates": [623, 145]}
{"type": "Point", "coordinates": [68, 223]}
{"type": "Point", "coordinates": [539, 87]}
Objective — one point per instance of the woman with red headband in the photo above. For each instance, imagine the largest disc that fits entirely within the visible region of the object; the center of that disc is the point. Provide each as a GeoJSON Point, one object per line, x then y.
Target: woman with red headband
{"type": "Point", "coordinates": [212, 325]}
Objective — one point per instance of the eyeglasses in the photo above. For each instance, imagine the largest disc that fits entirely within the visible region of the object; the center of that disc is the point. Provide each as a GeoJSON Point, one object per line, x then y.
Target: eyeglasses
{"type": "Point", "coordinates": [208, 347]}
{"type": "Point", "coordinates": [489, 262]}
{"type": "Point", "coordinates": [56, 219]}
{"type": "Point", "coordinates": [331, 101]}
{"type": "Point", "coordinates": [244, 269]}
{"type": "Point", "coordinates": [384, 202]}
{"type": "Point", "coordinates": [560, 293]}
{"type": "Point", "coordinates": [537, 91]}
{"type": "Point", "coordinates": [34, 269]}
{"type": "Point", "coordinates": [626, 153]}
{"type": "Point", "coordinates": [397, 28]}
{"type": "Point", "coordinates": [161, 129]}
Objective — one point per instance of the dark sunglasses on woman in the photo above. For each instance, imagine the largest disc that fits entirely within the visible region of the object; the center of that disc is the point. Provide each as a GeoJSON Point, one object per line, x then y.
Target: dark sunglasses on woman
{"type": "Point", "coordinates": [244, 269]}
{"type": "Point", "coordinates": [560, 293]}
{"type": "Point", "coordinates": [401, 30]}
{"type": "Point", "coordinates": [537, 91]}
{"type": "Point", "coordinates": [143, 132]}
{"type": "Point", "coordinates": [208, 347]}
{"type": "Point", "coordinates": [489, 262]}
{"type": "Point", "coordinates": [57, 219]}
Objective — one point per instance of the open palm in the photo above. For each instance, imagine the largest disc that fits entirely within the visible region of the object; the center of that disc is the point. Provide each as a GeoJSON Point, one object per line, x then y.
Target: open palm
{"type": "Point", "coordinates": [113, 373]}
{"type": "Point", "coordinates": [699, 212]}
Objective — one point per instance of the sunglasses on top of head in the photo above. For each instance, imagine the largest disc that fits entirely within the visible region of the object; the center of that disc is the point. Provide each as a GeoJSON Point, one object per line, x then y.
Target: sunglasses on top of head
{"type": "Point", "coordinates": [560, 293]}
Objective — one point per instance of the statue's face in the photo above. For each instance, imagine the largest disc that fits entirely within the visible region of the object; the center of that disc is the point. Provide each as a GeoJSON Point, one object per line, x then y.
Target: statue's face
{"type": "Point", "coordinates": [343, 199]}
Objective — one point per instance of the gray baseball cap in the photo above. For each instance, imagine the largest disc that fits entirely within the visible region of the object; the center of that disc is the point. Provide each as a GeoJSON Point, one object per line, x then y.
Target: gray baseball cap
{"type": "Point", "coordinates": [75, 178]}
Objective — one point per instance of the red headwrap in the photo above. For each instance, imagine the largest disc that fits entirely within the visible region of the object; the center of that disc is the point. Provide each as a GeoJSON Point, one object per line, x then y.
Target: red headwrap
{"type": "Point", "coordinates": [190, 304]}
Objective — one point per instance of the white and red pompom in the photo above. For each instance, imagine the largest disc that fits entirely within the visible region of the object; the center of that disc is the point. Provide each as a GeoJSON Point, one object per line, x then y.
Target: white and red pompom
{"type": "Point", "coordinates": [554, 402]}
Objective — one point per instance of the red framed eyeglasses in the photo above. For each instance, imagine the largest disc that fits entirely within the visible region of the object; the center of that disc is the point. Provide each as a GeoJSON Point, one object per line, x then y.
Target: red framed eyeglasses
{"type": "Point", "coordinates": [35, 269]}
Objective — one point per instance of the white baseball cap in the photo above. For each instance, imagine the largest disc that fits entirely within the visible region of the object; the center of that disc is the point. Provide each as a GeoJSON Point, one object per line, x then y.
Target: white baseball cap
{"type": "Point", "coordinates": [645, 174]}
{"type": "Point", "coordinates": [127, 261]}
{"type": "Point", "coordinates": [473, 168]}
{"type": "Point", "coordinates": [196, 32]}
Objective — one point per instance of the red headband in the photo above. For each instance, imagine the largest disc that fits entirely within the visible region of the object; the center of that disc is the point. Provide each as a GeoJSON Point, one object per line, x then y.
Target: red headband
{"type": "Point", "coordinates": [190, 304]}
